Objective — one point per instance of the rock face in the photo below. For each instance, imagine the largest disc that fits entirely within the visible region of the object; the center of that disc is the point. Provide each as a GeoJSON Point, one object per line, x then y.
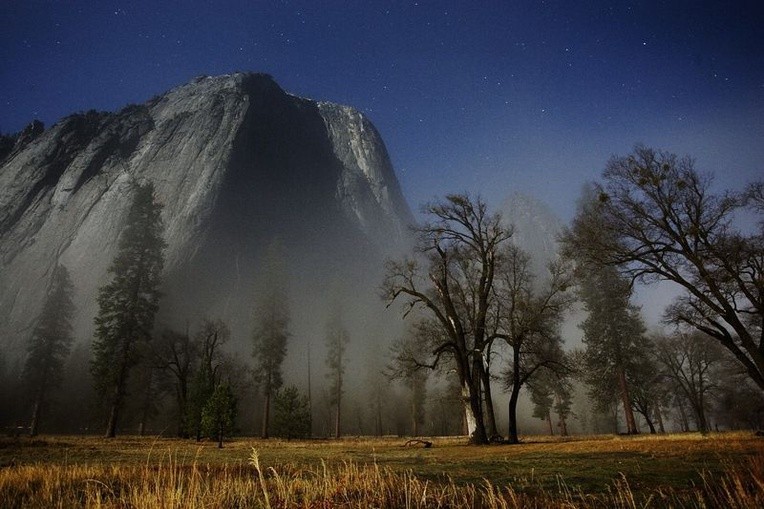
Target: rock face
{"type": "Point", "coordinates": [536, 229]}
{"type": "Point", "coordinates": [235, 161]}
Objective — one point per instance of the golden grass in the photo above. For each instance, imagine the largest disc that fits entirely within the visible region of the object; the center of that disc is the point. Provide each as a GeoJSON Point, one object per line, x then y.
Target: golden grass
{"type": "Point", "coordinates": [727, 470]}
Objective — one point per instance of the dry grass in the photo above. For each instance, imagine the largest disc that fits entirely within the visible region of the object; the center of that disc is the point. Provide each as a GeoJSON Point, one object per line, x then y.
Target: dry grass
{"type": "Point", "coordinates": [721, 470]}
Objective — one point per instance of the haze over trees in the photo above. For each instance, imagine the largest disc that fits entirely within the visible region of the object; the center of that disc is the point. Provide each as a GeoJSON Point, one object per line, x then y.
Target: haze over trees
{"type": "Point", "coordinates": [271, 333]}
{"type": "Point", "coordinates": [49, 345]}
{"type": "Point", "coordinates": [337, 339]}
{"type": "Point", "coordinates": [129, 303]}
{"type": "Point", "coordinates": [485, 315]}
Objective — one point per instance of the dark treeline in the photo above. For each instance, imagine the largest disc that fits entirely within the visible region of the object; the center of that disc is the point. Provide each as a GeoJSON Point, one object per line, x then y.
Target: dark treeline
{"type": "Point", "coordinates": [482, 327]}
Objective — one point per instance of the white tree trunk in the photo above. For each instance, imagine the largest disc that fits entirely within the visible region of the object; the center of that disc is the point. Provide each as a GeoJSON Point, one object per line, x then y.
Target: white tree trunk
{"type": "Point", "coordinates": [468, 415]}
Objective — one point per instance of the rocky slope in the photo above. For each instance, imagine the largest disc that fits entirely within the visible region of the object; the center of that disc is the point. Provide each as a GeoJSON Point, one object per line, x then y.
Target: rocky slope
{"type": "Point", "coordinates": [235, 161]}
{"type": "Point", "coordinates": [535, 227]}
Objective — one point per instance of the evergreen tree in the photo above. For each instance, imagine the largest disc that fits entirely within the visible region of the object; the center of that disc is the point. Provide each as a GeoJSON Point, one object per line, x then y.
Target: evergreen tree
{"type": "Point", "coordinates": [291, 414]}
{"type": "Point", "coordinates": [613, 337]}
{"type": "Point", "coordinates": [129, 303]}
{"type": "Point", "coordinates": [271, 333]}
{"type": "Point", "coordinates": [219, 413]}
{"type": "Point", "coordinates": [50, 344]}
{"type": "Point", "coordinates": [208, 341]}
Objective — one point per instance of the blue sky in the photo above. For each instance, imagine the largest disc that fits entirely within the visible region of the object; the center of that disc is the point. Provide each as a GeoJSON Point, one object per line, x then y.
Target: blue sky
{"type": "Point", "coordinates": [488, 97]}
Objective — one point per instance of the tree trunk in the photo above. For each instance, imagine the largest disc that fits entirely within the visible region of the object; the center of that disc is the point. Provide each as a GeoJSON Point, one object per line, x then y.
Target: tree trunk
{"type": "Point", "coordinates": [700, 411]}
{"type": "Point", "coordinates": [111, 425]}
{"type": "Point", "coordinates": [116, 403]}
{"type": "Point", "coordinates": [683, 417]}
{"type": "Point", "coordinates": [631, 423]}
{"type": "Point", "coordinates": [414, 420]}
{"type": "Point", "coordinates": [491, 429]}
{"type": "Point", "coordinates": [563, 426]}
{"type": "Point", "coordinates": [338, 416]}
{"type": "Point", "coordinates": [470, 424]}
{"type": "Point", "coordinates": [220, 435]}
{"type": "Point", "coordinates": [514, 396]}
{"type": "Point", "coordinates": [182, 419]}
{"type": "Point", "coordinates": [266, 414]}
{"type": "Point", "coordinates": [146, 405]}
{"type": "Point", "coordinates": [478, 436]}
{"type": "Point", "coordinates": [549, 422]}
{"type": "Point", "coordinates": [35, 417]}
{"type": "Point", "coordinates": [650, 425]}
{"type": "Point", "coordinates": [378, 417]}
{"type": "Point", "coordinates": [659, 418]}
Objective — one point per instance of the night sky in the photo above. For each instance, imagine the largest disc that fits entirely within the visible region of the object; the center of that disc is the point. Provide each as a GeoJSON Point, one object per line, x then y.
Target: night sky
{"type": "Point", "coordinates": [488, 97]}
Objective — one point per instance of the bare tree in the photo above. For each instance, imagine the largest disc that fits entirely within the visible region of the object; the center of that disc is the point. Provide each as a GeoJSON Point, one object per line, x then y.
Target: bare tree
{"type": "Point", "coordinates": [210, 338]}
{"type": "Point", "coordinates": [529, 319]}
{"type": "Point", "coordinates": [451, 279]}
{"type": "Point", "coordinates": [337, 339]}
{"type": "Point", "coordinates": [690, 361]}
{"type": "Point", "coordinates": [176, 353]}
{"type": "Point", "coordinates": [656, 218]}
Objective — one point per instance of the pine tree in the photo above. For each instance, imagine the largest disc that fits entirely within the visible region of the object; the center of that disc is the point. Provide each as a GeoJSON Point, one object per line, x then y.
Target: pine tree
{"type": "Point", "coordinates": [129, 303]}
{"type": "Point", "coordinates": [219, 413]}
{"type": "Point", "coordinates": [271, 333]}
{"type": "Point", "coordinates": [613, 336]}
{"type": "Point", "coordinates": [291, 414]}
{"type": "Point", "coordinates": [50, 343]}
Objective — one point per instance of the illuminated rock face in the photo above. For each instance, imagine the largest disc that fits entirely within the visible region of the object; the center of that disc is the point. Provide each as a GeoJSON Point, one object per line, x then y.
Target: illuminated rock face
{"type": "Point", "coordinates": [235, 161]}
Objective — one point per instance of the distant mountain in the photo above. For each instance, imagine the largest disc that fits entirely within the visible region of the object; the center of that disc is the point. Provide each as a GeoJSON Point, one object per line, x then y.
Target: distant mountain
{"type": "Point", "coordinates": [236, 162]}
{"type": "Point", "coordinates": [536, 229]}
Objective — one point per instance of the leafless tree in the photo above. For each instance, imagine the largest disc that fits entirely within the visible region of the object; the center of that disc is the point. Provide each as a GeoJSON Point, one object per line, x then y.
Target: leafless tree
{"type": "Point", "coordinates": [690, 361]}
{"type": "Point", "coordinates": [528, 318]}
{"type": "Point", "coordinates": [656, 218]}
{"type": "Point", "coordinates": [451, 279]}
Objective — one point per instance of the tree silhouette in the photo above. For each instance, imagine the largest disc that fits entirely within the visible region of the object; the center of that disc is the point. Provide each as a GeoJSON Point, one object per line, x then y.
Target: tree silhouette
{"type": "Point", "coordinates": [129, 303]}
{"type": "Point", "coordinates": [49, 345]}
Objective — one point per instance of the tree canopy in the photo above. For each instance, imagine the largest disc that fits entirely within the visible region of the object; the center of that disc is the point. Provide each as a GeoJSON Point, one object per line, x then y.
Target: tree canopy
{"type": "Point", "coordinates": [656, 218]}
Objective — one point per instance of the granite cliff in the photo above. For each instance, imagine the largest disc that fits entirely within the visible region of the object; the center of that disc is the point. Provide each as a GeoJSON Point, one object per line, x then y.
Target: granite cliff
{"type": "Point", "coordinates": [236, 162]}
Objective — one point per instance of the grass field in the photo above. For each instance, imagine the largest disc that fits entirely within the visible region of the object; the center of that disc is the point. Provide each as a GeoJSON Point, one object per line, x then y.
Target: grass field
{"type": "Point", "coordinates": [687, 470]}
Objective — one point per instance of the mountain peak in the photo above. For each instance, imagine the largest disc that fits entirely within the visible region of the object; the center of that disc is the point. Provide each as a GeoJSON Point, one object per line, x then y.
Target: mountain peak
{"type": "Point", "coordinates": [235, 161]}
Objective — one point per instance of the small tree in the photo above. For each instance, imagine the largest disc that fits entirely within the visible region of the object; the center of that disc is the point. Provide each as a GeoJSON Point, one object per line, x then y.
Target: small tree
{"type": "Point", "coordinates": [128, 304]}
{"type": "Point", "coordinates": [50, 344]}
{"type": "Point", "coordinates": [528, 318]}
{"type": "Point", "coordinates": [690, 361]}
{"type": "Point", "coordinates": [176, 353]}
{"type": "Point", "coordinates": [291, 414]}
{"type": "Point", "coordinates": [219, 413]}
{"type": "Point", "coordinates": [337, 339]}
{"type": "Point", "coordinates": [210, 338]}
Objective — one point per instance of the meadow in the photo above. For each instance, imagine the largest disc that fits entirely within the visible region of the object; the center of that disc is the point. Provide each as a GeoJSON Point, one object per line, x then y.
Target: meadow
{"type": "Point", "coordinates": [677, 470]}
